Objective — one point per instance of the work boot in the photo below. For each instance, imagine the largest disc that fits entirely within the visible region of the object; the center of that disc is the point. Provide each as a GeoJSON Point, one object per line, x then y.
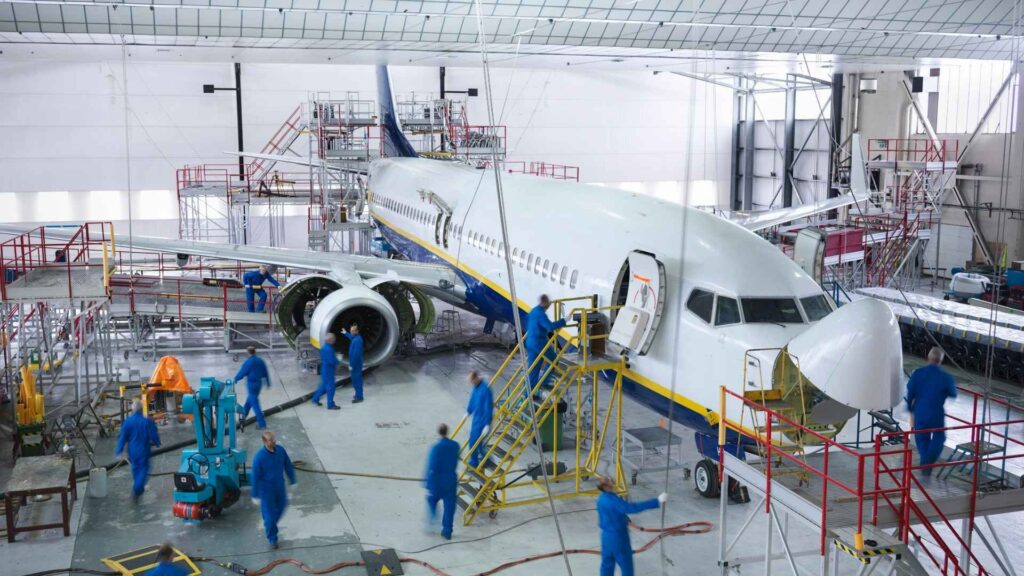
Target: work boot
{"type": "Point", "coordinates": [335, 407]}
{"type": "Point", "coordinates": [357, 400]}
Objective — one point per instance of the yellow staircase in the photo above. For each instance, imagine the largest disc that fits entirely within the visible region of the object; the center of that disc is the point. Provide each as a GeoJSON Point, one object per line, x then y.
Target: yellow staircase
{"type": "Point", "coordinates": [571, 374]}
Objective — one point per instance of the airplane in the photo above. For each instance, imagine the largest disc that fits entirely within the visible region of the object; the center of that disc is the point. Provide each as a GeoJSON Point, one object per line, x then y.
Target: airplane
{"type": "Point", "coordinates": [706, 290]}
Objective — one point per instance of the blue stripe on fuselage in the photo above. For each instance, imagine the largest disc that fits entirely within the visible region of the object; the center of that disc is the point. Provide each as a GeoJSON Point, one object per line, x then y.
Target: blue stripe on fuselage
{"type": "Point", "coordinates": [492, 305]}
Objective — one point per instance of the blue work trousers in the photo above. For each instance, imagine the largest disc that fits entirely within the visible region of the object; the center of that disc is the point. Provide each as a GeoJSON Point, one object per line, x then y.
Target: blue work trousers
{"type": "Point", "coordinates": [253, 403]}
{"type": "Point", "coordinates": [481, 450]}
{"type": "Point", "coordinates": [541, 367]}
{"type": "Point", "coordinates": [929, 447]}
{"type": "Point", "coordinates": [447, 499]}
{"type": "Point", "coordinates": [140, 474]}
{"type": "Point", "coordinates": [249, 293]}
{"type": "Point", "coordinates": [357, 383]}
{"type": "Point", "coordinates": [618, 552]}
{"type": "Point", "coordinates": [326, 388]}
{"type": "Point", "coordinates": [272, 507]}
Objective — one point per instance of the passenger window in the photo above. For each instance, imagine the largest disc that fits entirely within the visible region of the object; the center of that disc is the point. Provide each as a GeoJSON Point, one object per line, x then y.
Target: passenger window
{"type": "Point", "coordinates": [529, 263]}
{"type": "Point", "coordinates": [515, 254]}
{"type": "Point", "coordinates": [544, 272]}
{"type": "Point", "coordinates": [572, 280]}
{"type": "Point", "coordinates": [701, 303]}
{"type": "Point", "coordinates": [561, 277]}
{"type": "Point", "coordinates": [501, 249]}
{"type": "Point", "coordinates": [727, 312]}
{"type": "Point", "coordinates": [536, 265]}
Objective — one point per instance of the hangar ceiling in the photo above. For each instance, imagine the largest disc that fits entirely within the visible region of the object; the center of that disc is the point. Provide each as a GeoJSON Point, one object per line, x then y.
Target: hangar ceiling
{"type": "Point", "coordinates": [976, 29]}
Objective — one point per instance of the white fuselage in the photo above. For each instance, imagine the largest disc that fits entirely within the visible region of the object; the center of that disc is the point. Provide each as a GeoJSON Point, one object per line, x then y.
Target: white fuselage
{"type": "Point", "coordinates": [591, 230]}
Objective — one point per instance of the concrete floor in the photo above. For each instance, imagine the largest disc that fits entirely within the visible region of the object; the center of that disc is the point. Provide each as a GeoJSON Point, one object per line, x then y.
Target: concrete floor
{"type": "Point", "coordinates": [333, 517]}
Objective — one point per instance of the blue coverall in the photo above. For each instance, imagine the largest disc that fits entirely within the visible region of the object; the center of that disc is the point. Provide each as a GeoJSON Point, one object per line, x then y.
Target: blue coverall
{"type": "Point", "coordinates": [927, 390]}
{"type": "Point", "coordinates": [166, 569]}
{"type": "Point", "coordinates": [355, 364]}
{"type": "Point", "coordinates": [481, 408]}
{"type": "Point", "coordinates": [138, 433]}
{"type": "Point", "coordinates": [268, 472]}
{"type": "Point", "coordinates": [253, 281]}
{"type": "Point", "coordinates": [254, 370]}
{"type": "Point", "coordinates": [328, 368]}
{"type": "Point", "coordinates": [538, 328]}
{"type": "Point", "coordinates": [441, 482]}
{"type": "Point", "coordinates": [613, 518]}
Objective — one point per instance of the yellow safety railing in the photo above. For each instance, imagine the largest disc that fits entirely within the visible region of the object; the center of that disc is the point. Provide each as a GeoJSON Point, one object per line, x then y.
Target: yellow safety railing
{"type": "Point", "coordinates": [572, 368]}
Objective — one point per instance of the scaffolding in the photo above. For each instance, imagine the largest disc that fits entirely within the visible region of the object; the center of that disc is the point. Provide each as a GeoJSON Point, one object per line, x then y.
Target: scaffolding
{"type": "Point", "coordinates": [872, 505]}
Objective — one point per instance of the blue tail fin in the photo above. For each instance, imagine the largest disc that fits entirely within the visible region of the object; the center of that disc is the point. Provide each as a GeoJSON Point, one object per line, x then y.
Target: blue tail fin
{"type": "Point", "coordinates": [395, 143]}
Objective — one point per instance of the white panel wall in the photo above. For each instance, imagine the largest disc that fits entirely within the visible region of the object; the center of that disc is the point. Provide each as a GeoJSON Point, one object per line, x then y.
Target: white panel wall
{"type": "Point", "coordinates": [62, 126]}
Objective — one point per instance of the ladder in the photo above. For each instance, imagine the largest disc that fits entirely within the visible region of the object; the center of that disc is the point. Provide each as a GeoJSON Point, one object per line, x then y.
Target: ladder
{"type": "Point", "coordinates": [279, 144]}
{"type": "Point", "coordinates": [567, 373]}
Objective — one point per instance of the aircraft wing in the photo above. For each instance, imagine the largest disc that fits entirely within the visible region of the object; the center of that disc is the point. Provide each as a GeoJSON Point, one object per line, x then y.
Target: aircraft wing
{"type": "Point", "coordinates": [344, 266]}
{"type": "Point", "coordinates": [859, 192]}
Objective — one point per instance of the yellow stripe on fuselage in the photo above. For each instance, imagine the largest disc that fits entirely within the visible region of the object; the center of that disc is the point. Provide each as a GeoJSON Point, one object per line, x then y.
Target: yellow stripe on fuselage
{"type": "Point", "coordinates": [459, 265]}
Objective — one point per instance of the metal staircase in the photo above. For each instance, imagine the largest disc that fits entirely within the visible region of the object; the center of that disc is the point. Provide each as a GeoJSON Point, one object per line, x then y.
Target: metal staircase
{"type": "Point", "coordinates": [280, 143]}
{"type": "Point", "coordinates": [573, 376]}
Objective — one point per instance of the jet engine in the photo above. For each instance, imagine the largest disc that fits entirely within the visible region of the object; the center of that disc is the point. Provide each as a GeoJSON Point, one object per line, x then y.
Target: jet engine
{"type": "Point", "coordinates": [318, 304]}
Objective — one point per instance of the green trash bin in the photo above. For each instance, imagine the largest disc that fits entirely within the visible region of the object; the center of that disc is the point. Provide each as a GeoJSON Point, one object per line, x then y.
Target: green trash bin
{"type": "Point", "coordinates": [553, 427]}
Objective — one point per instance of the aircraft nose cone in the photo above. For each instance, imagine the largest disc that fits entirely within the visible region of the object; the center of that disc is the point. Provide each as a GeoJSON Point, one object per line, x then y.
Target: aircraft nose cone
{"type": "Point", "coordinates": [854, 355]}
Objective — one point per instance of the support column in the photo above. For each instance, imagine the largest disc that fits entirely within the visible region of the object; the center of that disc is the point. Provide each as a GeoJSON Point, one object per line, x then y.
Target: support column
{"type": "Point", "coordinates": [837, 132]}
{"type": "Point", "coordinates": [1017, 165]}
{"type": "Point", "coordinates": [749, 125]}
{"type": "Point", "coordinates": [788, 142]}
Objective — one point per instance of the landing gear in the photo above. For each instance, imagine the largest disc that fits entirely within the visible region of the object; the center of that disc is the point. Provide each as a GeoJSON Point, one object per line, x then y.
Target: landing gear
{"type": "Point", "coordinates": [705, 479]}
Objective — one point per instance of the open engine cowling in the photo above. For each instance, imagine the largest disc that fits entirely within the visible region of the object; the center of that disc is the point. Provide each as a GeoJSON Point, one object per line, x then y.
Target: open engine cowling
{"type": "Point", "coordinates": [387, 313]}
{"type": "Point", "coordinates": [377, 320]}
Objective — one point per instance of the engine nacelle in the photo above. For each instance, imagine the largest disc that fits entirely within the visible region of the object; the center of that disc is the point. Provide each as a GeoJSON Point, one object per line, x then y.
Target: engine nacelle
{"type": "Point", "coordinates": [377, 320]}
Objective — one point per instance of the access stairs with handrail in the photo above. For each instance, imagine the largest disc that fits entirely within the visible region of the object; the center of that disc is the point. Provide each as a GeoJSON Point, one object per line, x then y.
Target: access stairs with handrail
{"type": "Point", "coordinates": [569, 373]}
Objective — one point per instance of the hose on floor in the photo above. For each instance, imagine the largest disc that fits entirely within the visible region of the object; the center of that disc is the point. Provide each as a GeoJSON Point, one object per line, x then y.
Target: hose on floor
{"type": "Point", "coordinates": [688, 528]}
{"type": "Point", "coordinates": [248, 421]}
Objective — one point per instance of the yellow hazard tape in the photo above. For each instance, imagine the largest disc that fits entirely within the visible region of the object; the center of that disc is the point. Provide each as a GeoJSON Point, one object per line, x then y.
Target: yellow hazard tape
{"type": "Point", "coordinates": [864, 556]}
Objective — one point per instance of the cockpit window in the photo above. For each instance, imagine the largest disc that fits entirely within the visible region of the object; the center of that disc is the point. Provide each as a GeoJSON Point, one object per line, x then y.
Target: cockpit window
{"type": "Point", "coordinates": [728, 311]}
{"type": "Point", "coordinates": [815, 307]}
{"type": "Point", "coordinates": [771, 310]}
{"type": "Point", "coordinates": [700, 303]}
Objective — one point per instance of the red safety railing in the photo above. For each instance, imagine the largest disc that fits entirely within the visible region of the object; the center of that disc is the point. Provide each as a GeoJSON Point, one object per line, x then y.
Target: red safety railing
{"type": "Point", "coordinates": [90, 245]}
{"type": "Point", "coordinates": [554, 171]}
{"type": "Point", "coordinates": [172, 296]}
{"type": "Point", "coordinates": [474, 141]}
{"type": "Point", "coordinates": [894, 485]}
{"type": "Point", "coordinates": [278, 143]}
{"type": "Point", "coordinates": [913, 150]}
{"type": "Point", "coordinates": [899, 230]}
{"type": "Point", "coordinates": [771, 449]}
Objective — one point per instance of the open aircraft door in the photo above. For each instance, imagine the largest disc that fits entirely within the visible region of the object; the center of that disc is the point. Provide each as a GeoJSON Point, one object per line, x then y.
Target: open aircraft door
{"type": "Point", "coordinates": [809, 251]}
{"type": "Point", "coordinates": [642, 278]}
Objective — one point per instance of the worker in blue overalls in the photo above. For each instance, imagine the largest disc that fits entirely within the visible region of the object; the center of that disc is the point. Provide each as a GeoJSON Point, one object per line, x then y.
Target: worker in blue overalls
{"type": "Point", "coordinates": [355, 361]}
{"type": "Point", "coordinates": [138, 434]}
{"type": "Point", "coordinates": [165, 564]}
{"type": "Point", "coordinates": [254, 370]}
{"type": "Point", "coordinates": [269, 467]}
{"type": "Point", "coordinates": [328, 368]}
{"type": "Point", "coordinates": [441, 480]}
{"type": "Point", "coordinates": [253, 281]}
{"type": "Point", "coordinates": [927, 390]}
{"type": "Point", "coordinates": [613, 518]}
{"type": "Point", "coordinates": [481, 410]}
{"type": "Point", "coordinates": [538, 331]}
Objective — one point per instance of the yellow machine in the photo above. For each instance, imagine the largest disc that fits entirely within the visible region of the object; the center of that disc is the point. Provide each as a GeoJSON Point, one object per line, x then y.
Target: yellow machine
{"type": "Point", "coordinates": [30, 409]}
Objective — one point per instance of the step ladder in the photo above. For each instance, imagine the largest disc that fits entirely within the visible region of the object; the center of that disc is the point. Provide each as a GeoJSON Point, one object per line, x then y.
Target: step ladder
{"type": "Point", "coordinates": [876, 545]}
{"type": "Point", "coordinates": [566, 373]}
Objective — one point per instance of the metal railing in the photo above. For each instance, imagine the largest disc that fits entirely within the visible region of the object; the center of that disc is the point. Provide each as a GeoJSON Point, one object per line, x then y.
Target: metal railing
{"type": "Point", "coordinates": [90, 246]}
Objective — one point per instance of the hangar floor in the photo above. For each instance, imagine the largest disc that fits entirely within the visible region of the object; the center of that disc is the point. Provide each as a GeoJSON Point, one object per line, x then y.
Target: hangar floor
{"type": "Point", "coordinates": [333, 518]}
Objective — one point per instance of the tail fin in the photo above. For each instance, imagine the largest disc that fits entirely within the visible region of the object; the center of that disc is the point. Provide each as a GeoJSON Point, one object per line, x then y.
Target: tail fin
{"type": "Point", "coordinates": [395, 143]}
{"type": "Point", "coordinates": [858, 178]}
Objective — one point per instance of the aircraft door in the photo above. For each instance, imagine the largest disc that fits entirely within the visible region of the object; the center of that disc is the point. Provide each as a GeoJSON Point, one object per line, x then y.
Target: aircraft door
{"type": "Point", "coordinates": [809, 251]}
{"type": "Point", "coordinates": [636, 323]}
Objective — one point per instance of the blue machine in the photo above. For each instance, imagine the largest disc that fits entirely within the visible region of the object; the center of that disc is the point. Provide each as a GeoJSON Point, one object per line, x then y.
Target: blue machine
{"type": "Point", "coordinates": [212, 474]}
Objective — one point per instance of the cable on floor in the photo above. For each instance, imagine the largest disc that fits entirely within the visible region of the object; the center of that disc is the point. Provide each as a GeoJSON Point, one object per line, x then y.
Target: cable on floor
{"type": "Point", "coordinates": [688, 528]}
